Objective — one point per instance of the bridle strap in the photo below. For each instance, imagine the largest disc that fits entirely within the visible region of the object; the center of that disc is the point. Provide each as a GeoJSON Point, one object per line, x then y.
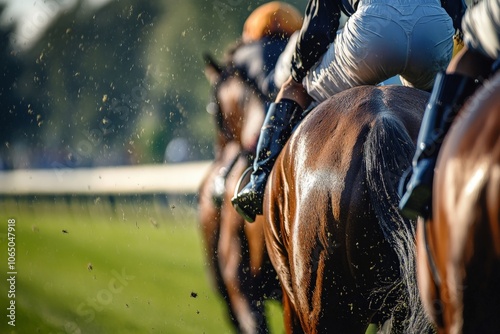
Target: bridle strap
{"type": "Point", "coordinates": [235, 71]}
{"type": "Point", "coordinates": [229, 72]}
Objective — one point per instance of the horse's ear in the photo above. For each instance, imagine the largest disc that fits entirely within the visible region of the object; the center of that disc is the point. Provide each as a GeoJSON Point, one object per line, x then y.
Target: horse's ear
{"type": "Point", "coordinates": [212, 68]}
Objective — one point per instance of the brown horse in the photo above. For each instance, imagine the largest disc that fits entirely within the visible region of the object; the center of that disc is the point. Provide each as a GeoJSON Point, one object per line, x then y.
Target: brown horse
{"type": "Point", "coordinates": [459, 248]}
{"type": "Point", "coordinates": [344, 255]}
{"type": "Point", "coordinates": [235, 251]}
{"type": "Point", "coordinates": [209, 216]}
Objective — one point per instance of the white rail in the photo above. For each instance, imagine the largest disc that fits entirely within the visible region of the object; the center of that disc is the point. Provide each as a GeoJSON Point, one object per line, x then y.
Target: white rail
{"type": "Point", "coordinates": [145, 179]}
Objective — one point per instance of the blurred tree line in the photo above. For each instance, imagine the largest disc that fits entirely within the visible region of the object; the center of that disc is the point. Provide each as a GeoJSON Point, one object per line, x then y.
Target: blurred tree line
{"type": "Point", "coordinates": [114, 84]}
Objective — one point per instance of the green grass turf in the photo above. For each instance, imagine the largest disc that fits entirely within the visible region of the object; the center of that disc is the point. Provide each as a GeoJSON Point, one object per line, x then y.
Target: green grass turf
{"type": "Point", "coordinates": [85, 266]}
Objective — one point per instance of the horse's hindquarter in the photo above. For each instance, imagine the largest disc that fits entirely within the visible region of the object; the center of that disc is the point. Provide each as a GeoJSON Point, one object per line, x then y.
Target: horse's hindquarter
{"type": "Point", "coordinates": [465, 232]}
{"type": "Point", "coordinates": [327, 239]}
{"type": "Point", "coordinates": [306, 217]}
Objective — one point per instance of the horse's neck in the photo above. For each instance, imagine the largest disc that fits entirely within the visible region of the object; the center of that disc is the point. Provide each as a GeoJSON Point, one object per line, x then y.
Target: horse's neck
{"type": "Point", "coordinates": [253, 119]}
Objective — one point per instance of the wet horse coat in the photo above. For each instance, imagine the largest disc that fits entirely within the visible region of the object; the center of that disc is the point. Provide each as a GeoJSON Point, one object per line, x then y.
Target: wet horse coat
{"type": "Point", "coordinates": [461, 242]}
{"type": "Point", "coordinates": [235, 251]}
{"type": "Point", "coordinates": [343, 254]}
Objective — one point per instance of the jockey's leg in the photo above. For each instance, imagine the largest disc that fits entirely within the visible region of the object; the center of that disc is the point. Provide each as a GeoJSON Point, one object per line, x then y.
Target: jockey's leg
{"type": "Point", "coordinates": [280, 120]}
{"type": "Point", "coordinates": [449, 93]}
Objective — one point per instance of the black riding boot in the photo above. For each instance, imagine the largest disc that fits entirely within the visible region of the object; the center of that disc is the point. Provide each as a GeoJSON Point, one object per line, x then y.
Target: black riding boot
{"type": "Point", "coordinates": [280, 120]}
{"type": "Point", "coordinates": [448, 95]}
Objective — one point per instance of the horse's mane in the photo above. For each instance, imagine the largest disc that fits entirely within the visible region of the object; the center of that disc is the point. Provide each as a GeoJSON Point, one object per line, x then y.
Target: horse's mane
{"type": "Point", "coordinates": [231, 50]}
{"type": "Point", "coordinates": [239, 62]}
{"type": "Point", "coordinates": [257, 61]}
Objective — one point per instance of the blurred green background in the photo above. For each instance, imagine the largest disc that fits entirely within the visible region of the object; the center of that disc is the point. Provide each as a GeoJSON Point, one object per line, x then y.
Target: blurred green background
{"type": "Point", "coordinates": [102, 265]}
{"type": "Point", "coordinates": [98, 82]}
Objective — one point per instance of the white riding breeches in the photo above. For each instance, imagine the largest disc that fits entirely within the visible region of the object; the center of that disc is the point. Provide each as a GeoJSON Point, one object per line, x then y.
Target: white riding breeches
{"type": "Point", "coordinates": [481, 25]}
{"type": "Point", "coordinates": [412, 38]}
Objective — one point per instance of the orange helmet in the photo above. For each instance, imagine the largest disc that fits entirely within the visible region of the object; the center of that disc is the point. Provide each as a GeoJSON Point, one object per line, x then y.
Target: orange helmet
{"type": "Point", "coordinates": [272, 18]}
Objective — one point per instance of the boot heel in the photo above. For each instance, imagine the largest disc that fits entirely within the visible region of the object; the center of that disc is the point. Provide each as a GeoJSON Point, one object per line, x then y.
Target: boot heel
{"type": "Point", "coordinates": [248, 216]}
{"type": "Point", "coordinates": [240, 197]}
{"type": "Point", "coordinates": [277, 128]}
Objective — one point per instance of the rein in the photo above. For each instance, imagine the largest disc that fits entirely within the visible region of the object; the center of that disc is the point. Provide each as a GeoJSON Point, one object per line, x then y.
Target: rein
{"type": "Point", "coordinates": [434, 271]}
{"type": "Point", "coordinates": [430, 258]}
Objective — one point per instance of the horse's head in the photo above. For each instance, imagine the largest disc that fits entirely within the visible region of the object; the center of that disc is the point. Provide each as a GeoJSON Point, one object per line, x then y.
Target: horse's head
{"type": "Point", "coordinates": [237, 104]}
